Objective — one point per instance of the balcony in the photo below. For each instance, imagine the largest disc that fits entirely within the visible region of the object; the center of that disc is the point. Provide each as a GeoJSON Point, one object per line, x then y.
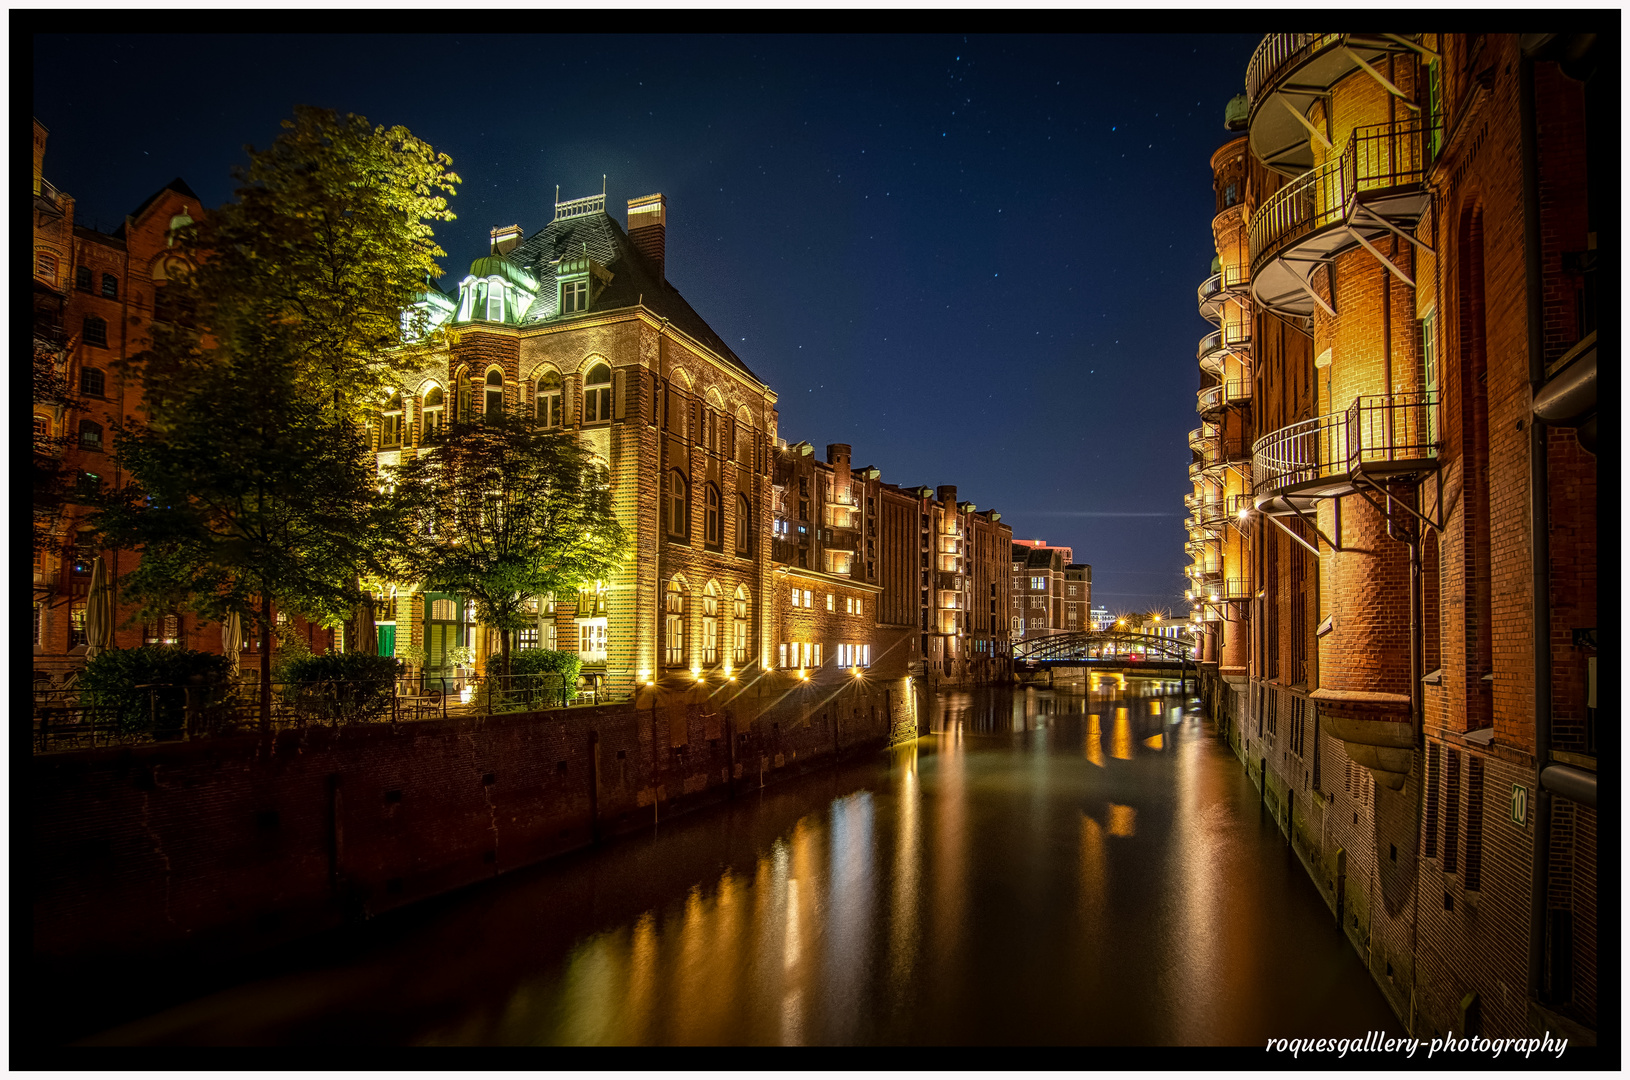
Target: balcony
{"type": "Point", "coordinates": [1203, 438]}
{"type": "Point", "coordinates": [1375, 185]}
{"type": "Point", "coordinates": [949, 582]}
{"type": "Point", "coordinates": [1209, 400]}
{"type": "Point", "coordinates": [1392, 435]}
{"type": "Point", "coordinates": [1215, 347]}
{"type": "Point", "coordinates": [1288, 73]}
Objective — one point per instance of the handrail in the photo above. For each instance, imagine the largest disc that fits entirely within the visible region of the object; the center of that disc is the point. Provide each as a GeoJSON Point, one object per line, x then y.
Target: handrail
{"type": "Point", "coordinates": [1238, 390]}
{"type": "Point", "coordinates": [1375, 158]}
{"type": "Point", "coordinates": [1209, 397]}
{"type": "Point", "coordinates": [1374, 429]}
{"type": "Point", "coordinates": [1274, 53]}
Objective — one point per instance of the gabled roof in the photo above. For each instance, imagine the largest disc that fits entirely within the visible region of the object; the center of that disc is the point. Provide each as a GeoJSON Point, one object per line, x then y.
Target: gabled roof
{"type": "Point", "coordinates": [178, 185]}
{"type": "Point", "coordinates": [634, 280]}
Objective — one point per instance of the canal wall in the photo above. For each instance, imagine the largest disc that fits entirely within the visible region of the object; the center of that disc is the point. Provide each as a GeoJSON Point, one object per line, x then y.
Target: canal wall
{"type": "Point", "coordinates": [1386, 868]}
{"type": "Point", "coordinates": [204, 850]}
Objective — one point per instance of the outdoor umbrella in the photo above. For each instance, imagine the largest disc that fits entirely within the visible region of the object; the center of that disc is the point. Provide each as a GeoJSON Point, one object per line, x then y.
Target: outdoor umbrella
{"type": "Point", "coordinates": [367, 632]}
{"type": "Point", "coordinates": [232, 640]}
{"type": "Point", "coordinates": [98, 611]}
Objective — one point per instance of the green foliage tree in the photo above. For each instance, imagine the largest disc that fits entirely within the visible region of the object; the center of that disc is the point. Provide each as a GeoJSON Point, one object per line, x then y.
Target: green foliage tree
{"type": "Point", "coordinates": [254, 493]}
{"type": "Point", "coordinates": [53, 483]}
{"type": "Point", "coordinates": [250, 474]}
{"type": "Point", "coordinates": [504, 513]}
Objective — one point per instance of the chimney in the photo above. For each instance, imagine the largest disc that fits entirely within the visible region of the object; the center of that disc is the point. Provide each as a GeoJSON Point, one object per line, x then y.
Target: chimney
{"type": "Point", "coordinates": [505, 240]}
{"type": "Point", "coordinates": [946, 493]}
{"type": "Point", "coordinates": [648, 228]}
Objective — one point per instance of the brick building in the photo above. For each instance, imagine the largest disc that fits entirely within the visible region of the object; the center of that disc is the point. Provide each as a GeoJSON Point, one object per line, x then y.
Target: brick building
{"type": "Point", "coordinates": [1397, 589]}
{"type": "Point", "coordinates": [95, 297]}
{"type": "Point", "coordinates": [1052, 593]}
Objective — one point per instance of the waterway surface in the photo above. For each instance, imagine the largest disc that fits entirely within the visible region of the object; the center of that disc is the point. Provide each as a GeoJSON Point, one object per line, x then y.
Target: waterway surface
{"type": "Point", "coordinates": [1042, 867]}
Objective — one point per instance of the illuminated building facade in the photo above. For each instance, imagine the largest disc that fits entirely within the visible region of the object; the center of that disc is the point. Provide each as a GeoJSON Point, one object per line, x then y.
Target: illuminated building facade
{"type": "Point", "coordinates": [578, 328]}
{"type": "Point", "coordinates": [1052, 593]}
{"type": "Point", "coordinates": [1397, 588]}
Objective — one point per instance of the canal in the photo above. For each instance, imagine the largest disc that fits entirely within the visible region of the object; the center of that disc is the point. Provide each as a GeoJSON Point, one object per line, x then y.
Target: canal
{"type": "Point", "coordinates": [1086, 867]}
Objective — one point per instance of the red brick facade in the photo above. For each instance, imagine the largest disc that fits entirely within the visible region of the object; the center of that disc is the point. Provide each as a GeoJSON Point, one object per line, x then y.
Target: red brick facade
{"type": "Point", "coordinates": [1389, 712]}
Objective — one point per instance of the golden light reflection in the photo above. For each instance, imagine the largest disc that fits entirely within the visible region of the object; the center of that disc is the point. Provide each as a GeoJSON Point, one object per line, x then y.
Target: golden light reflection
{"type": "Point", "coordinates": [1094, 741]}
{"type": "Point", "coordinates": [1092, 873]}
{"type": "Point", "coordinates": [1155, 742]}
{"type": "Point", "coordinates": [903, 927]}
{"type": "Point", "coordinates": [1123, 820]}
{"type": "Point", "coordinates": [1120, 739]}
{"type": "Point", "coordinates": [642, 975]}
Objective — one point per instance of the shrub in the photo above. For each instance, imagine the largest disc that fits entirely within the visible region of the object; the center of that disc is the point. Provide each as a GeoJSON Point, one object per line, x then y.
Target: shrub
{"type": "Point", "coordinates": [342, 688]}
{"type": "Point", "coordinates": [109, 681]}
{"type": "Point", "coordinates": [540, 676]}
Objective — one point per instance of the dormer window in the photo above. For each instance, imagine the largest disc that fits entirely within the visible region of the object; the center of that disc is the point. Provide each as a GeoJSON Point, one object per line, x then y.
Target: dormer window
{"type": "Point", "coordinates": [495, 303]}
{"type": "Point", "coordinates": [574, 296]}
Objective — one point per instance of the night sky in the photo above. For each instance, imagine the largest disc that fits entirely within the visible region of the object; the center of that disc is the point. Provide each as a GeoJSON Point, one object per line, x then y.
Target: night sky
{"type": "Point", "coordinates": [973, 258]}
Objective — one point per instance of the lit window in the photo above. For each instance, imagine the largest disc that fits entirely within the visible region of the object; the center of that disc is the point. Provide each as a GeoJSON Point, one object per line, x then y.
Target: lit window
{"type": "Point", "coordinates": [831, 605]}
{"type": "Point", "coordinates": [495, 302]}
{"type": "Point", "coordinates": [494, 404]}
{"type": "Point", "coordinates": [674, 627]}
{"type": "Point", "coordinates": [548, 412]}
{"type": "Point", "coordinates": [96, 331]}
{"type": "Point", "coordinates": [92, 382]}
{"type": "Point", "coordinates": [42, 433]}
{"type": "Point", "coordinates": [443, 610]}
{"type": "Point", "coordinates": [90, 435]}
{"type": "Point", "coordinates": [1038, 584]}
{"type": "Point", "coordinates": [741, 625]}
{"type": "Point", "coordinates": [46, 266]}
{"type": "Point", "coordinates": [710, 624]}
{"type": "Point", "coordinates": [434, 411]}
{"type": "Point", "coordinates": [597, 394]}
{"type": "Point", "coordinates": [390, 422]}
{"type": "Point", "coordinates": [574, 296]}
{"type": "Point", "coordinates": [781, 655]}
{"type": "Point", "coordinates": [76, 624]}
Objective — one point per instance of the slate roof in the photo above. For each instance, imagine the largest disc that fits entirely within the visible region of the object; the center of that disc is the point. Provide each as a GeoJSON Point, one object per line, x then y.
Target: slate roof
{"type": "Point", "coordinates": [634, 280]}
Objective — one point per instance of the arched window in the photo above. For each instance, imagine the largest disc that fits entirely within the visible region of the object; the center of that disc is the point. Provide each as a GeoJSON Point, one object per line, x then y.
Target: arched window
{"type": "Point", "coordinates": [710, 624]}
{"type": "Point", "coordinates": [494, 405]}
{"type": "Point", "coordinates": [82, 279]}
{"type": "Point", "coordinates": [110, 286]}
{"type": "Point", "coordinates": [743, 433]}
{"type": "Point", "coordinates": [710, 516]}
{"type": "Point", "coordinates": [678, 505]}
{"type": "Point", "coordinates": [741, 613]}
{"type": "Point", "coordinates": [674, 622]}
{"type": "Point", "coordinates": [597, 394]}
{"type": "Point", "coordinates": [46, 266]}
{"type": "Point", "coordinates": [461, 396]}
{"type": "Point", "coordinates": [549, 405]}
{"type": "Point", "coordinates": [390, 422]}
{"type": "Point", "coordinates": [92, 381]}
{"type": "Point", "coordinates": [744, 526]}
{"type": "Point", "coordinates": [90, 435]}
{"type": "Point", "coordinates": [434, 410]}
{"type": "Point", "coordinates": [96, 331]}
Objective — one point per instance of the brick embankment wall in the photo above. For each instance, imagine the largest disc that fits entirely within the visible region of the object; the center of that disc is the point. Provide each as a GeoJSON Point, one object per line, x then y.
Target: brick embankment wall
{"type": "Point", "coordinates": [222, 847]}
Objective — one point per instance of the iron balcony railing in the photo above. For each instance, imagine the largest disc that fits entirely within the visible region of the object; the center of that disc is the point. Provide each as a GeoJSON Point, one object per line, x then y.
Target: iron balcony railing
{"type": "Point", "coordinates": [1376, 158]}
{"type": "Point", "coordinates": [1277, 52]}
{"type": "Point", "coordinates": [1237, 334]}
{"type": "Point", "coordinates": [1236, 589]}
{"type": "Point", "coordinates": [1375, 429]}
{"type": "Point", "coordinates": [1209, 399]}
{"type": "Point", "coordinates": [1238, 390]}
{"type": "Point", "coordinates": [1203, 436]}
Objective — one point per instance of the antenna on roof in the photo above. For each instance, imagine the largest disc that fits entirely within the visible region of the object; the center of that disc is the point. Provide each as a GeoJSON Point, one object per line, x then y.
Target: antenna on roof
{"type": "Point", "coordinates": [602, 185]}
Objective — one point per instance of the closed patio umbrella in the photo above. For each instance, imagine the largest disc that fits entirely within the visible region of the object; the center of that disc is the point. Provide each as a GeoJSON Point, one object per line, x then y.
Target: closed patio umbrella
{"type": "Point", "coordinates": [232, 640]}
{"type": "Point", "coordinates": [98, 611]}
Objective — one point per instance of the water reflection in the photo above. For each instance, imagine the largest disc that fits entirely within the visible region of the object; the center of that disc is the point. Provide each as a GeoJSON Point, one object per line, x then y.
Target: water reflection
{"type": "Point", "coordinates": [1003, 879]}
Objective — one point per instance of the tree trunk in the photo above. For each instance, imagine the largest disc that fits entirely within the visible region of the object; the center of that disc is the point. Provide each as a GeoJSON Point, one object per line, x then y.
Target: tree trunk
{"type": "Point", "coordinates": [503, 654]}
{"type": "Point", "coordinates": [266, 663]}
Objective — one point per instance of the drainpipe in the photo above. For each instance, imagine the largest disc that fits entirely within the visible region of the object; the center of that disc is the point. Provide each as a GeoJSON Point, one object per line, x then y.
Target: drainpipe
{"type": "Point", "coordinates": [1539, 530]}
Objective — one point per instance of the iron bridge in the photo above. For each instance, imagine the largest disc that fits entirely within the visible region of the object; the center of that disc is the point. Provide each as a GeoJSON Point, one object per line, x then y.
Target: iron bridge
{"type": "Point", "coordinates": [1103, 647]}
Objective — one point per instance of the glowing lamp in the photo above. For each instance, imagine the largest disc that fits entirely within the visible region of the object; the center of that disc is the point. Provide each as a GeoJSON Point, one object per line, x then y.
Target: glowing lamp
{"type": "Point", "coordinates": [804, 675]}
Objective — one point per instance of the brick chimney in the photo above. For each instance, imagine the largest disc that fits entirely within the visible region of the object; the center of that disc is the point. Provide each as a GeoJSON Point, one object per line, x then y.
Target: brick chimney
{"type": "Point", "coordinates": [648, 228]}
{"type": "Point", "coordinates": [505, 240]}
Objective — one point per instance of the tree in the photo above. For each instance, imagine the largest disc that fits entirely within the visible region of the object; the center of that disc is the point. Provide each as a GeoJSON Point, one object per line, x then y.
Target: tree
{"type": "Point", "coordinates": [253, 492]}
{"type": "Point", "coordinates": [332, 235]}
{"type": "Point", "coordinates": [250, 475]}
{"type": "Point", "coordinates": [503, 513]}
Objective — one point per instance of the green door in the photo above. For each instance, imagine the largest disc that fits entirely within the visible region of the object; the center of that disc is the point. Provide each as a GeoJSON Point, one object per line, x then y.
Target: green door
{"type": "Point", "coordinates": [387, 640]}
